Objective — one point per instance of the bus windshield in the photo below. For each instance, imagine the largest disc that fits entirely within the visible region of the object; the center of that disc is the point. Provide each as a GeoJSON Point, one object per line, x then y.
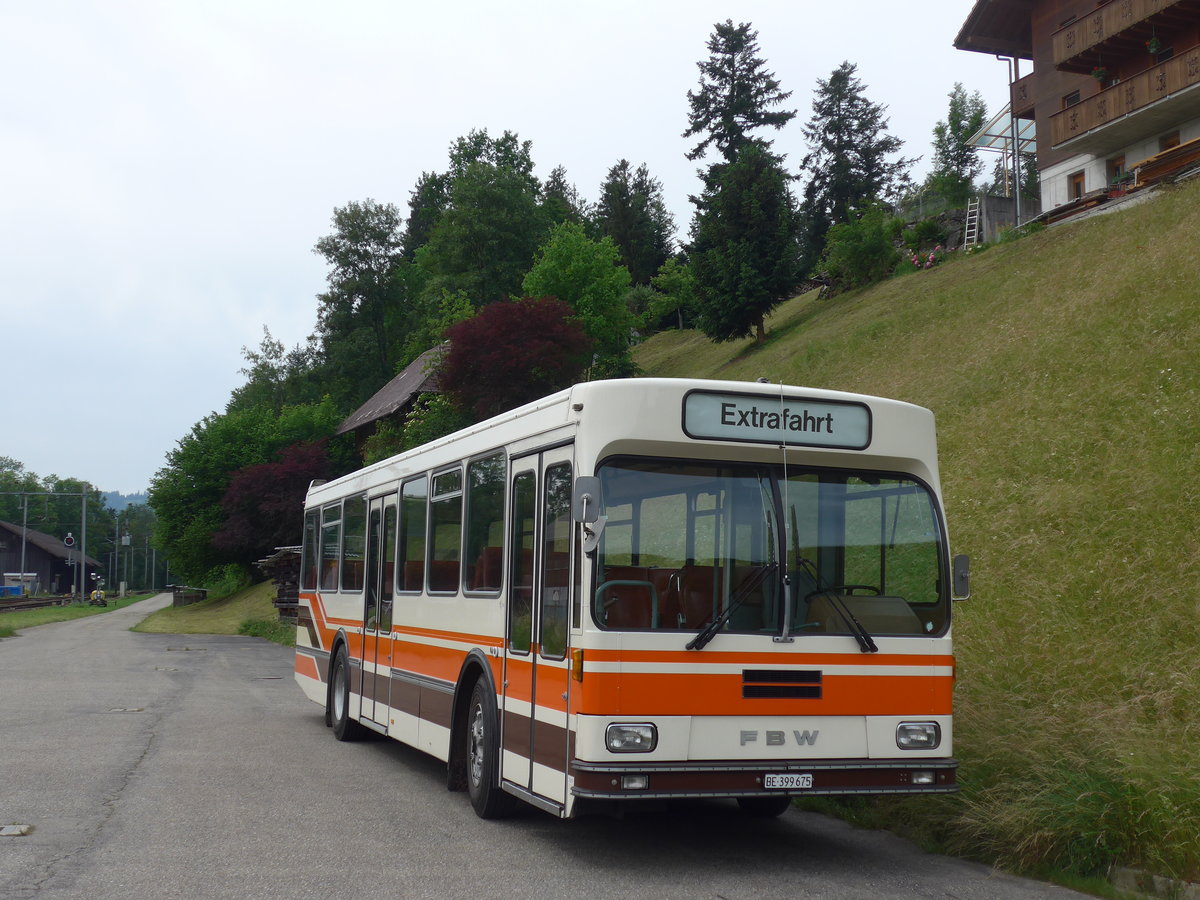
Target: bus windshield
{"type": "Point", "coordinates": [689, 543]}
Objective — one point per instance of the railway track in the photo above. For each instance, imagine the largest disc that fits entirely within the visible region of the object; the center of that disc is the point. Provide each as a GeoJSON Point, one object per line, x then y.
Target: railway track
{"type": "Point", "coordinates": [12, 604]}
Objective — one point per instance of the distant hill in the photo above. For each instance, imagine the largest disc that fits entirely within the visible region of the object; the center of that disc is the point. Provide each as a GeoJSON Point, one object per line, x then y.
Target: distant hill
{"type": "Point", "coordinates": [117, 501]}
{"type": "Point", "coordinates": [1064, 371]}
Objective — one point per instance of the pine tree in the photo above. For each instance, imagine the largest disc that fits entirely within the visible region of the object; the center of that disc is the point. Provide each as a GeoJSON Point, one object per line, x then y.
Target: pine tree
{"type": "Point", "coordinates": [736, 93]}
{"type": "Point", "coordinates": [561, 201]}
{"type": "Point", "coordinates": [743, 252]}
{"type": "Point", "coordinates": [633, 213]}
{"type": "Point", "coordinates": [849, 164]}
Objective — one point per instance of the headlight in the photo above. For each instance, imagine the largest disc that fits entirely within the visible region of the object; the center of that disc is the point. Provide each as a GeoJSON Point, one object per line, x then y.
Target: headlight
{"type": "Point", "coordinates": [641, 738]}
{"type": "Point", "coordinates": [918, 735]}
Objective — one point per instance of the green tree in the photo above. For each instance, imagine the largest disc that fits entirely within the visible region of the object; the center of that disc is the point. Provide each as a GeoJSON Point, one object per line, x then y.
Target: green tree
{"type": "Point", "coordinates": [956, 164]}
{"type": "Point", "coordinates": [587, 275]}
{"type": "Point", "coordinates": [676, 295]}
{"type": "Point", "coordinates": [1001, 184]}
{"type": "Point", "coordinates": [849, 165]}
{"type": "Point", "coordinates": [561, 201]}
{"type": "Point", "coordinates": [276, 377]}
{"type": "Point", "coordinates": [186, 493]}
{"type": "Point", "coordinates": [736, 93]}
{"type": "Point", "coordinates": [633, 213]}
{"type": "Point", "coordinates": [484, 241]}
{"type": "Point", "coordinates": [426, 203]}
{"type": "Point", "coordinates": [363, 317]}
{"type": "Point", "coordinates": [743, 252]}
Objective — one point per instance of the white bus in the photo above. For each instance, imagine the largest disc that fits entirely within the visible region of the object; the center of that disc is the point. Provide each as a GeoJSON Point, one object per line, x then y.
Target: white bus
{"type": "Point", "coordinates": [642, 590]}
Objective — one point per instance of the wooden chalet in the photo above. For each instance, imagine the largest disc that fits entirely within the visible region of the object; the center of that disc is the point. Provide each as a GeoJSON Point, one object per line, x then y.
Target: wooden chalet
{"type": "Point", "coordinates": [395, 399]}
{"type": "Point", "coordinates": [1114, 90]}
{"type": "Point", "coordinates": [46, 560]}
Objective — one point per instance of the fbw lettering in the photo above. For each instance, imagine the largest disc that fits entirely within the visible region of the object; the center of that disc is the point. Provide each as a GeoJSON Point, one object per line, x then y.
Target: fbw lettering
{"type": "Point", "coordinates": [779, 738]}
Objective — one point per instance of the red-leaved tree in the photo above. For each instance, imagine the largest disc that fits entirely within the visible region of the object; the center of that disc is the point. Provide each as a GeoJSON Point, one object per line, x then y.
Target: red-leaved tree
{"type": "Point", "coordinates": [264, 504]}
{"type": "Point", "coordinates": [513, 352]}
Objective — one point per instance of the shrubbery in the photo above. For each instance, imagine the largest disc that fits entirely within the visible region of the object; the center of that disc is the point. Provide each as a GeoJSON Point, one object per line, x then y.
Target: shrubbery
{"type": "Point", "coordinates": [861, 252]}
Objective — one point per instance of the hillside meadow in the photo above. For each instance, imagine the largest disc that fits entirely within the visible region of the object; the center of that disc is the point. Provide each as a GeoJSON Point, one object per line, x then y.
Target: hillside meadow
{"type": "Point", "coordinates": [1062, 368]}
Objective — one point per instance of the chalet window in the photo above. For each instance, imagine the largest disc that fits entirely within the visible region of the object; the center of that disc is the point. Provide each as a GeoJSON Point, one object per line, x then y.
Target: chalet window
{"type": "Point", "coordinates": [1164, 54]}
{"type": "Point", "coordinates": [1076, 185]}
{"type": "Point", "coordinates": [1116, 169]}
{"type": "Point", "coordinates": [1071, 99]}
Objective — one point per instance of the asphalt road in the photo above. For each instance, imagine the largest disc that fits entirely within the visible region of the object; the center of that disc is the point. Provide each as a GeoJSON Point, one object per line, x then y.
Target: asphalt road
{"type": "Point", "coordinates": [159, 766]}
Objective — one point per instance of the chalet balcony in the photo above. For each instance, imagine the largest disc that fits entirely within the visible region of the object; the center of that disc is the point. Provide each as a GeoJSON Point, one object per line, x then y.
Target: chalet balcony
{"type": "Point", "coordinates": [1117, 30]}
{"type": "Point", "coordinates": [1150, 101]}
{"type": "Point", "coordinates": [1022, 97]}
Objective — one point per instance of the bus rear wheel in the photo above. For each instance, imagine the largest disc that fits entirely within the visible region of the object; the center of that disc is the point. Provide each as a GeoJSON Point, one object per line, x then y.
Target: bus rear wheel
{"type": "Point", "coordinates": [338, 707]}
{"type": "Point", "coordinates": [483, 756]}
{"type": "Point", "coordinates": [765, 807]}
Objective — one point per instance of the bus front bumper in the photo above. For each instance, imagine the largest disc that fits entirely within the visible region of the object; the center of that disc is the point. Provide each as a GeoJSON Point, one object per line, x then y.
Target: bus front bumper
{"type": "Point", "coordinates": [796, 778]}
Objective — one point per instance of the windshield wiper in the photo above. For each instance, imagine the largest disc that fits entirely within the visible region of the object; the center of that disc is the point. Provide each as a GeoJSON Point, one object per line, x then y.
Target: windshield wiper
{"type": "Point", "coordinates": [709, 631]}
{"type": "Point", "coordinates": [865, 642]}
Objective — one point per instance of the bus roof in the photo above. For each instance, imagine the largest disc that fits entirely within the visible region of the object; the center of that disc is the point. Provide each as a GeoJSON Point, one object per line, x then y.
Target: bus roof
{"type": "Point", "coordinates": [708, 418]}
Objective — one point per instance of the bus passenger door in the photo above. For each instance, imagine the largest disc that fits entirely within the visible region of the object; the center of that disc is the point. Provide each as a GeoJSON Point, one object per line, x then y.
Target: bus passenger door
{"type": "Point", "coordinates": [535, 737]}
{"type": "Point", "coordinates": [377, 612]}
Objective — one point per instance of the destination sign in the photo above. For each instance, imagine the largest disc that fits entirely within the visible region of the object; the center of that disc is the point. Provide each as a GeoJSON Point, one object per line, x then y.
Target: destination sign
{"type": "Point", "coordinates": [764, 419]}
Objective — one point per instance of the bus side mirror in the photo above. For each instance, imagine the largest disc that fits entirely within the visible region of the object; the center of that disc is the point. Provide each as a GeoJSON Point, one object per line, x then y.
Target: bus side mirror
{"type": "Point", "coordinates": [585, 508]}
{"type": "Point", "coordinates": [962, 577]}
{"type": "Point", "coordinates": [585, 503]}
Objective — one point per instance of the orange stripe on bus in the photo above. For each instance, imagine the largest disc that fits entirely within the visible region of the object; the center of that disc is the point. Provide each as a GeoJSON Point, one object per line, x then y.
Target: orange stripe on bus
{"type": "Point", "coordinates": [307, 666]}
{"type": "Point", "coordinates": [691, 658]}
{"type": "Point", "coordinates": [690, 694]}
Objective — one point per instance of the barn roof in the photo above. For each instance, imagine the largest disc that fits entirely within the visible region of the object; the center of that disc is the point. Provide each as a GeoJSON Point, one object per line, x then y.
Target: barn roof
{"type": "Point", "coordinates": [419, 377]}
{"type": "Point", "coordinates": [47, 543]}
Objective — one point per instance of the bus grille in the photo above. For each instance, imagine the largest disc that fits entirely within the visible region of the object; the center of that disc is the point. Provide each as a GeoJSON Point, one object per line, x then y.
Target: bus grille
{"type": "Point", "coordinates": [781, 684]}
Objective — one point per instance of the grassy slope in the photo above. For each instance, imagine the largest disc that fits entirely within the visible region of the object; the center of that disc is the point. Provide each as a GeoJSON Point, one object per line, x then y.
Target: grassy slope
{"type": "Point", "coordinates": [226, 615]}
{"type": "Point", "coordinates": [1064, 375]}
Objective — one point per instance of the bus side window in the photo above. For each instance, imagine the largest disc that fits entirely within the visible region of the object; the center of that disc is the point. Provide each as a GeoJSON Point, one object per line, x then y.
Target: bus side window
{"type": "Point", "coordinates": [556, 560]}
{"type": "Point", "coordinates": [520, 594]}
{"type": "Point", "coordinates": [412, 534]}
{"type": "Point", "coordinates": [354, 543]}
{"type": "Point", "coordinates": [308, 565]}
{"type": "Point", "coordinates": [331, 546]}
{"type": "Point", "coordinates": [445, 531]}
{"type": "Point", "coordinates": [484, 559]}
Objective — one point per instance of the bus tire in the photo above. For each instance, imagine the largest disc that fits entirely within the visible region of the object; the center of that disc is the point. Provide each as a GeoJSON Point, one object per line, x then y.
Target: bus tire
{"type": "Point", "coordinates": [483, 756]}
{"type": "Point", "coordinates": [345, 728]}
{"type": "Point", "coordinates": [765, 807]}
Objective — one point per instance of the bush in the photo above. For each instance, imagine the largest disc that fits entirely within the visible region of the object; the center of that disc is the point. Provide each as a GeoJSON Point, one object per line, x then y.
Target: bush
{"type": "Point", "coordinates": [861, 252]}
{"type": "Point", "coordinates": [926, 233]}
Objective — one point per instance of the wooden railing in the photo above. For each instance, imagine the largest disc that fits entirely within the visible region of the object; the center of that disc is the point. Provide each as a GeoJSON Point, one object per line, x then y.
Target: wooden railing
{"type": "Point", "coordinates": [1128, 96]}
{"type": "Point", "coordinates": [1096, 27]}
{"type": "Point", "coordinates": [1022, 97]}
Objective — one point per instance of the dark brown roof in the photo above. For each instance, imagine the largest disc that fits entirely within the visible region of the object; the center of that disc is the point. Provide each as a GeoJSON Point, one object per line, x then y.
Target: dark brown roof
{"type": "Point", "coordinates": [419, 377]}
{"type": "Point", "coordinates": [1002, 27]}
{"type": "Point", "coordinates": [47, 543]}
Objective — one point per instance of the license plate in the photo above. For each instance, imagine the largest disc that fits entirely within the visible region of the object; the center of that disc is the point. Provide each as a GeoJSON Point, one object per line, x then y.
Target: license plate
{"type": "Point", "coordinates": [788, 782]}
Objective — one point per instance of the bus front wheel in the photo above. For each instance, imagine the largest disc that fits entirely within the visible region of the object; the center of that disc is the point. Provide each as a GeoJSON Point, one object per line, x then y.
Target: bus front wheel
{"type": "Point", "coordinates": [338, 708]}
{"type": "Point", "coordinates": [483, 756]}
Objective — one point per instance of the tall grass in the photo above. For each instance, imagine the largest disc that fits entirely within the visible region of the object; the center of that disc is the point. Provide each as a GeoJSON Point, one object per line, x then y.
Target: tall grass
{"type": "Point", "coordinates": [1064, 370]}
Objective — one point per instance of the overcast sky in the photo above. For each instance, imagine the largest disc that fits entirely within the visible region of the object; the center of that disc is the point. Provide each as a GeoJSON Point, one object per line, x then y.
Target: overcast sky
{"type": "Point", "coordinates": [166, 167]}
